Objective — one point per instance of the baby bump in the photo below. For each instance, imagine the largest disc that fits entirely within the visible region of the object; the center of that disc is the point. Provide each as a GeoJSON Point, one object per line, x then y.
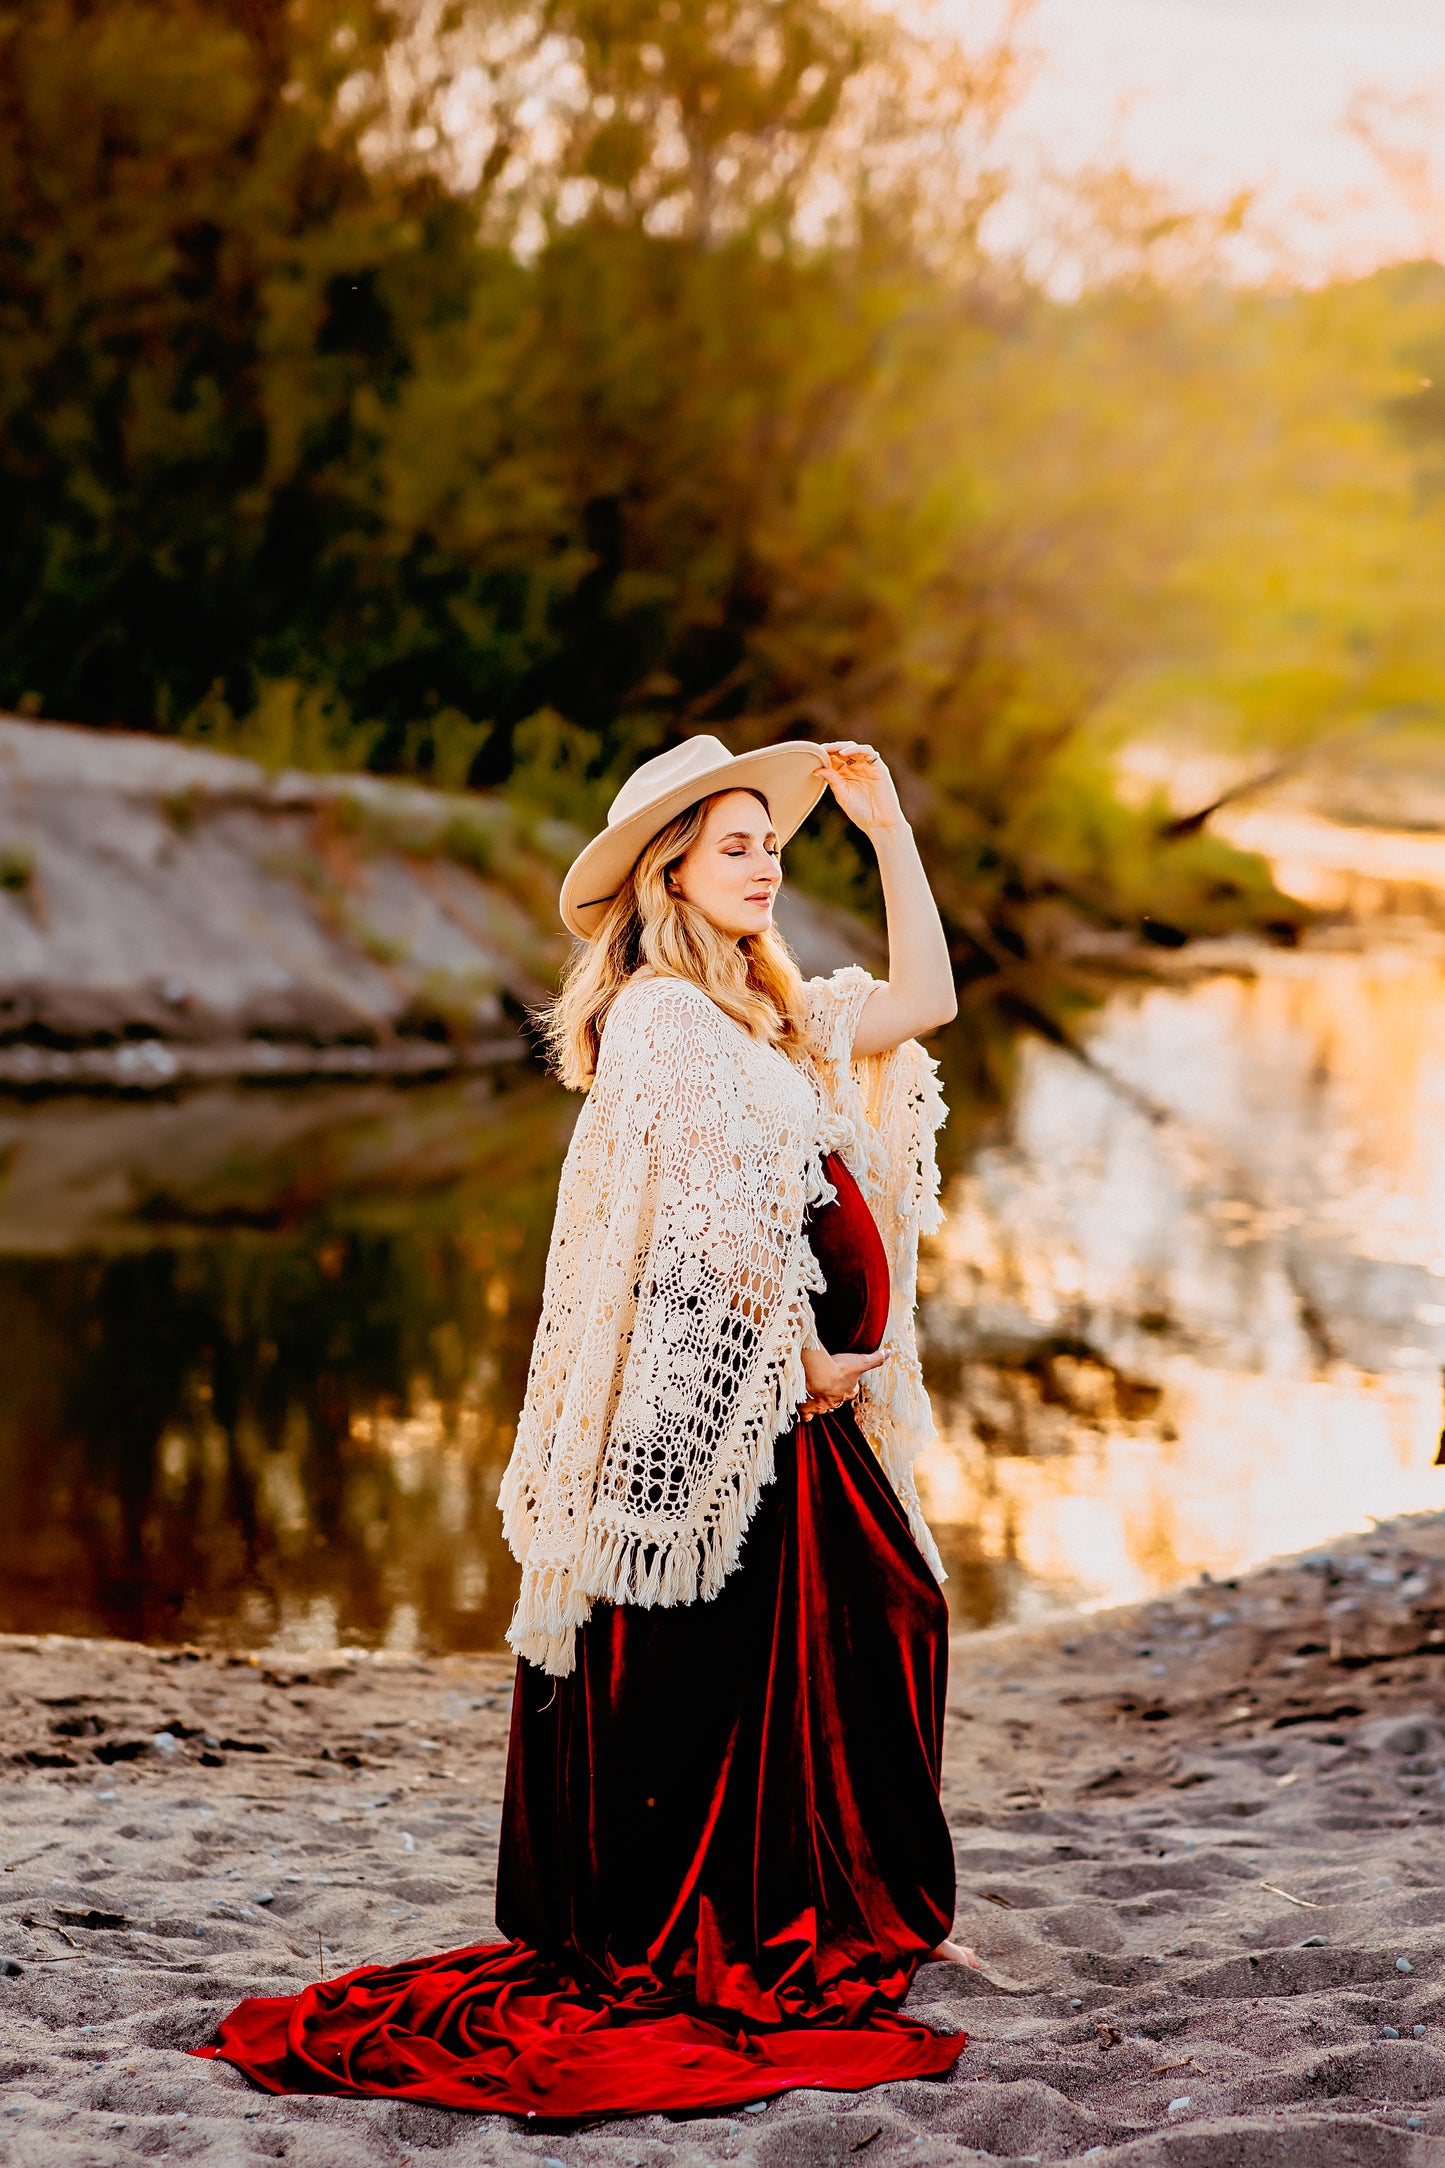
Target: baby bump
{"type": "Point", "coordinates": [852, 1312]}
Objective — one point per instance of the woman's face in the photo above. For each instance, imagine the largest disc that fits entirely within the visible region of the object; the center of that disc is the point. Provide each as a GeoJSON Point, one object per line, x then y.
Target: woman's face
{"type": "Point", "coordinates": [731, 873]}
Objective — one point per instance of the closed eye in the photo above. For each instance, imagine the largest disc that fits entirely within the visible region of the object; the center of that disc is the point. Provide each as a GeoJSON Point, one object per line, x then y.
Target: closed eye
{"type": "Point", "coordinates": [738, 846]}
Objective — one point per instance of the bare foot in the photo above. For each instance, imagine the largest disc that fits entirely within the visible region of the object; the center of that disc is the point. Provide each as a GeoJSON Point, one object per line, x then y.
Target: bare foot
{"type": "Point", "coordinates": [959, 1953]}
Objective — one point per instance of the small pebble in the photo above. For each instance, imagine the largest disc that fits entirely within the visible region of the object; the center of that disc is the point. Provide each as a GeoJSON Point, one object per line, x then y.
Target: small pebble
{"type": "Point", "coordinates": [1419, 2032]}
{"type": "Point", "coordinates": [1314, 1942]}
{"type": "Point", "coordinates": [755, 2107]}
{"type": "Point", "coordinates": [1177, 2107]}
{"type": "Point", "coordinates": [550, 2160]}
{"type": "Point", "coordinates": [1403, 1964]}
{"type": "Point", "coordinates": [1389, 2032]}
{"type": "Point", "coordinates": [1414, 2122]}
{"type": "Point", "coordinates": [1076, 2002]}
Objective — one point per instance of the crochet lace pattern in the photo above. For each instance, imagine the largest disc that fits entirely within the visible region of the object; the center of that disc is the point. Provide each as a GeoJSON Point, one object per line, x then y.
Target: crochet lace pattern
{"type": "Point", "coordinates": [668, 1359]}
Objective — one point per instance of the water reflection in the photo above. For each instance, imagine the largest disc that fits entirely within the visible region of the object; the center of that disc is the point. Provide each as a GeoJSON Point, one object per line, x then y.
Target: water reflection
{"type": "Point", "coordinates": [264, 1349]}
{"type": "Point", "coordinates": [268, 1398]}
{"type": "Point", "coordinates": [1191, 1309]}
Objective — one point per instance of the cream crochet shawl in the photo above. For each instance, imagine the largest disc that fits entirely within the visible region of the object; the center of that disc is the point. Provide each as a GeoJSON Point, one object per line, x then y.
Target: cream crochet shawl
{"type": "Point", "coordinates": [668, 1359]}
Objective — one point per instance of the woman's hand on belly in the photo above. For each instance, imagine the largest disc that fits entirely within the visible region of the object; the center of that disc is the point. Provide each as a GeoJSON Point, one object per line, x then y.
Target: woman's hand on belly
{"type": "Point", "coordinates": [832, 1379]}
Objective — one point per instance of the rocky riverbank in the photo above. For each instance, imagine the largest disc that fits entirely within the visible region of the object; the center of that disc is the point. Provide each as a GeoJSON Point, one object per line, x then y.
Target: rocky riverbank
{"type": "Point", "coordinates": [169, 913]}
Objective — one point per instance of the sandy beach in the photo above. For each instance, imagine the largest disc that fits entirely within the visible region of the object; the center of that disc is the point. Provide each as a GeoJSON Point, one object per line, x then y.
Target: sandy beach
{"type": "Point", "coordinates": [1199, 1848]}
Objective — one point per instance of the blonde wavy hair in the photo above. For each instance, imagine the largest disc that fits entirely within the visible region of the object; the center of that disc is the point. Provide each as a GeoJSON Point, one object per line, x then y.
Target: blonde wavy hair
{"type": "Point", "coordinates": [755, 981]}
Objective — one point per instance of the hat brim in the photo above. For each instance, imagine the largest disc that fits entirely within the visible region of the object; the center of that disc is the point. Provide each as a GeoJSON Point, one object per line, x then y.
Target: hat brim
{"type": "Point", "coordinates": [787, 775]}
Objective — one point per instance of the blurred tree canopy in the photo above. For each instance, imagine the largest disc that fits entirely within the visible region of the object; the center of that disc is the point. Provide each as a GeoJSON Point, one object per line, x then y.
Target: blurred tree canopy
{"type": "Point", "coordinates": [496, 389]}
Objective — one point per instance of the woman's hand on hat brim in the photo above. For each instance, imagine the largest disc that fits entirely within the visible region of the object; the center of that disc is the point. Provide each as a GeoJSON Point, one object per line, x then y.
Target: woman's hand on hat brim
{"type": "Point", "coordinates": [860, 782]}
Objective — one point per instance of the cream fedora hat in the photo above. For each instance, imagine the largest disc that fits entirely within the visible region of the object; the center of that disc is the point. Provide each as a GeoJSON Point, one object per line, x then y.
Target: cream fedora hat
{"type": "Point", "coordinates": [788, 776]}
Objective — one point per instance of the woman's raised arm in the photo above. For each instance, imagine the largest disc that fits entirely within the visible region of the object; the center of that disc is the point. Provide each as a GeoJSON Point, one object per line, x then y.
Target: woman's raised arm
{"type": "Point", "coordinates": [919, 994]}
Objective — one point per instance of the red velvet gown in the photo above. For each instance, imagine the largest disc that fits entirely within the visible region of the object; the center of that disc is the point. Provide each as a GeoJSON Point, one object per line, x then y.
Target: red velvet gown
{"type": "Point", "coordinates": [723, 1855]}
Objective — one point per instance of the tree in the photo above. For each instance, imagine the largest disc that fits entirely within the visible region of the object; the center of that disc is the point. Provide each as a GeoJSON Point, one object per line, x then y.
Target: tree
{"type": "Point", "coordinates": [501, 391]}
{"type": "Point", "coordinates": [205, 299]}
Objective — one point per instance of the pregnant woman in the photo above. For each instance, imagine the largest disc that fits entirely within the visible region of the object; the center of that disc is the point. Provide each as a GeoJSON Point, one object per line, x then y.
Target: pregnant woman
{"type": "Point", "coordinates": [723, 1855]}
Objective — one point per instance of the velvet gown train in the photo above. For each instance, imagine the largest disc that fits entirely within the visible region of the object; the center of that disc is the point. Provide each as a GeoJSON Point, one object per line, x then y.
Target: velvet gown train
{"type": "Point", "coordinates": [723, 1855]}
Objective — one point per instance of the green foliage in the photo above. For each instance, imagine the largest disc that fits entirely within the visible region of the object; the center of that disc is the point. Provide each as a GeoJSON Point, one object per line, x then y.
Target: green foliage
{"type": "Point", "coordinates": [453, 745]}
{"type": "Point", "coordinates": [290, 726]}
{"type": "Point", "coordinates": [455, 1004]}
{"type": "Point", "coordinates": [496, 394]}
{"type": "Point", "coordinates": [562, 769]}
{"type": "Point", "coordinates": [17, 869]}
{"type": "Point", "coordinates": [191, 265]}
{"type": "Point", "coordinates": [1305, 588]}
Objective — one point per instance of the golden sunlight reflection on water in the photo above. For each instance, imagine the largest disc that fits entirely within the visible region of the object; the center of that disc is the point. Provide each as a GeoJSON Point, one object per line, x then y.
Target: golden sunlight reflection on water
{"type": "Point", "coordinates": [1190, 1311]}
{"type": "Point", "coordinates": [1261, 1466]}
{"type": "Point", "coordinates": [264, 1350]}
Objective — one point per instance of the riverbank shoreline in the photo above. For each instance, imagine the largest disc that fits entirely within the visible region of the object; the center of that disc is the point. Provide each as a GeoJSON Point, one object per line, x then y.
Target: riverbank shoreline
{"type": "Point", "coordinates": [170, 916]}
{"type": "Point", "coordinates": [1198, 1845]}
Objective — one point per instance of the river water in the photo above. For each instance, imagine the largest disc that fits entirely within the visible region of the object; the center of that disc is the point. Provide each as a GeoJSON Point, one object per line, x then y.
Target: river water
{"type": "Point", "coordinates": [262, 1350]}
